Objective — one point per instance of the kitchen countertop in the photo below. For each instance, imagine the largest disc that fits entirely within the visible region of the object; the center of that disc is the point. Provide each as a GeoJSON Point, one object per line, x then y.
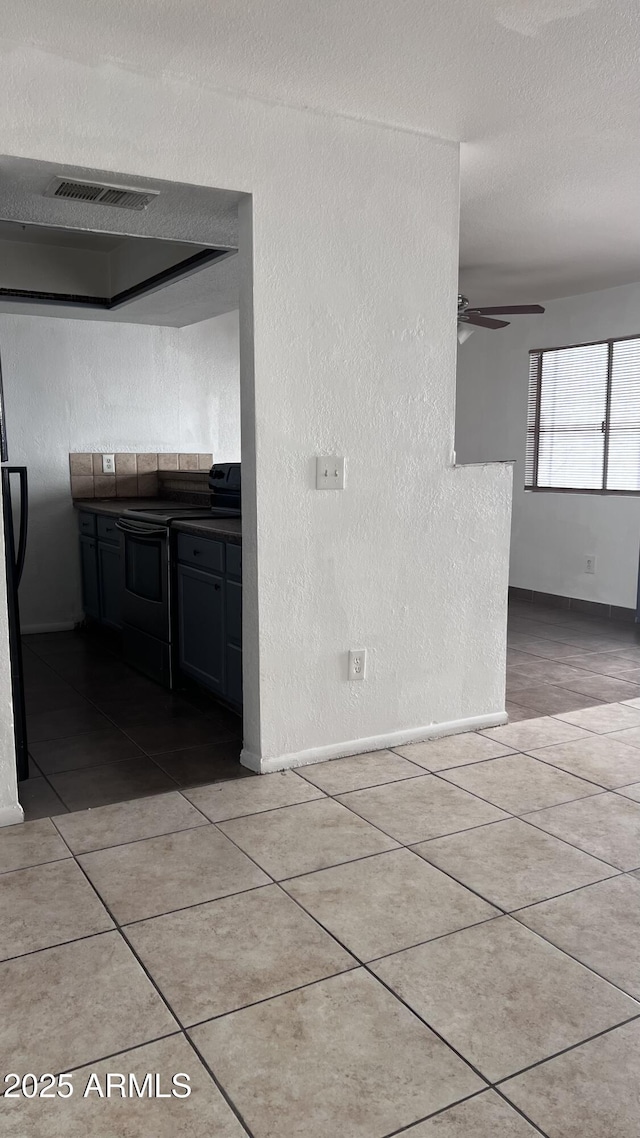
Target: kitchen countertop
{"type": "Point", "coordinates": [115, 507]}
{"type": "Point", "coordinates": [229, 528]}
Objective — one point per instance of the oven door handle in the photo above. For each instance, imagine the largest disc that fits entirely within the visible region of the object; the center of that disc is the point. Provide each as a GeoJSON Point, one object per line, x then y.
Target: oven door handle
{"type": "Point", "coordinates": [144, 533]}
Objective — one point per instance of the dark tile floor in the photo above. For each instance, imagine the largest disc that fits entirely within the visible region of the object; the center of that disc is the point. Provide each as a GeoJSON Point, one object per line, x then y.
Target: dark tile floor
{"type": "Point", "coordinates": [99, 732]}
{"type": "Point", "coordinates": [560, 661]}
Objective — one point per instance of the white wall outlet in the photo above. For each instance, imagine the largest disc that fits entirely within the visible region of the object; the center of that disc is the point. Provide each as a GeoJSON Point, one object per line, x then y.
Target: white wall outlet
{"type": "Point", "coordinates": [590, 564]}
{"type": "Point", "coordinates": [108, 464]}
{"type": "Point", "coordinates": [330, 473]}
{"type": "Point", "coordinates": [358, 664]}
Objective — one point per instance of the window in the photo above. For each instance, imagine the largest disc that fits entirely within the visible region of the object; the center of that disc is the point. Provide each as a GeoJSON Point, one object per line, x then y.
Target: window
{"type": "Point", "coordinates": [583, 418]}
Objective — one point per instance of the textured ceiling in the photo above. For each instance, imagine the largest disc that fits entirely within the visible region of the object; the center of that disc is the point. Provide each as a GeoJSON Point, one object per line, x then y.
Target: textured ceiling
{"type": "Point", "coordinates": [543, 94]}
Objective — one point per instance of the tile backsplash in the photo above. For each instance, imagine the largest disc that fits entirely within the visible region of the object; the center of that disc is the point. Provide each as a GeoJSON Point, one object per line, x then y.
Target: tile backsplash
{"type": "Point", "coordinates": [136, 475]}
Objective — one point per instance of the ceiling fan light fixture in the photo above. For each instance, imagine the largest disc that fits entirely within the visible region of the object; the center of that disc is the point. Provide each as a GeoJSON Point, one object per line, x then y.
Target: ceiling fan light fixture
{"type": "Point", "coordinates": [464, 331]}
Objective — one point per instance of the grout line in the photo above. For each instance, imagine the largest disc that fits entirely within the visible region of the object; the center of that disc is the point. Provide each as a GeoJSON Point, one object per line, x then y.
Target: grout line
{"type": "Point", "coordinates": [426, 1023]}
{"type": "Point", "coordinates": [58, 944]}
{"type": "Point", "coordinates": [434, 1114]}
{"type": "Point", "coordinates": [565, 951]}
{"type": "Point", "coordinates": [407, 1130]}
{"type": "Point", "coordinates": [115, 1054]}
{"type": "Point", "coordinates": [564, 1051]}
{"type": "Point", "coordinates": [195, 905]}
{"type": "Point", "coordinates": [227, 1098]}
{"type": "Point", "coordinates": [135, 841]}
{"type": "Point", "coordinates": [497, 916]}
{"type": "Point", "coordinates": [355, 967]}
{"type": "Point", "coordinates": [519, 1111]}
{"type": "Point", "coordinates": [599, 789]}
{"type": "Point", "coordinates": [459, 766]}
{"type": "Point", "coordinates": [527, 819]}
{"type": "Point", "coordinates": [556, 766]}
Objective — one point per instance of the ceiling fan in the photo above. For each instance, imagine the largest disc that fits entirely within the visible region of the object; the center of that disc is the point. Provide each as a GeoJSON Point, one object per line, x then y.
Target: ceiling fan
{"type": "Point", "coordinates": [485, 317]}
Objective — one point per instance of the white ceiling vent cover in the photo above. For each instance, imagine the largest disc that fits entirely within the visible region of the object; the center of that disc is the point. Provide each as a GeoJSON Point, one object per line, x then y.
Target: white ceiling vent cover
{"type": "Point", "coordinates": [123, 197]}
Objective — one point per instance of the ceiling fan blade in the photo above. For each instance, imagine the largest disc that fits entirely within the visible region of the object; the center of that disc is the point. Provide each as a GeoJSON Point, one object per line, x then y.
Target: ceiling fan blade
{"type": "Point", "coordinates": [482, 321]}
{"type": "Point", "coordinates": [508, 310]}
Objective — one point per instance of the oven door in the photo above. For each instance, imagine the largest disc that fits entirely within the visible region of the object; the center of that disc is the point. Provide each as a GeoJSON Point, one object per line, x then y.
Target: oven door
{"type": "Point", "coordinates": [145, 600]}
{"type": "Point", "coordinates": [146, 624]}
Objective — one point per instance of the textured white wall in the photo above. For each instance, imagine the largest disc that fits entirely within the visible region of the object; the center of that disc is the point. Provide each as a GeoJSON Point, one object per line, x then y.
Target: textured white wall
{"type": "Point", "coordinates": [552, 533]}
{"type": "Point", "coordinates": [353, 290]}
{"type": "Point", "coordinates": [76, 385]}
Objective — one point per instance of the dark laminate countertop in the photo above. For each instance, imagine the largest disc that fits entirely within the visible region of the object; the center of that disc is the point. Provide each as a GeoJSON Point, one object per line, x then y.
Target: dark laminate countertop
{"type": "Point", "coordinates": [228, 528]}
{"type": "Point", "coordinates": [116, 507]}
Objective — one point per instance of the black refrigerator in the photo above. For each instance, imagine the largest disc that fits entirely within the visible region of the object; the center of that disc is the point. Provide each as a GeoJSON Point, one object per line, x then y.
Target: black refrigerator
{"type": "Point", "coordinates": [15, 512]}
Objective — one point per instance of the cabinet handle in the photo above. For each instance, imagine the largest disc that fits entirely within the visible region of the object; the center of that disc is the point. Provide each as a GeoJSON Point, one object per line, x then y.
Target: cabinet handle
{"type": "Point", "coordinates": [197, 553]}
{"type": "Point", "coordinates": [216, 587]}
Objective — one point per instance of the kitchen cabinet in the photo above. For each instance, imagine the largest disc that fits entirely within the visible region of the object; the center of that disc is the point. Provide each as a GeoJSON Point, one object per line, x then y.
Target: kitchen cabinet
{"type": "Point", "coordinates": [101, 571]}
{"type": "Point", "coordinates": [89, 574]}
{"type": "Point", "coordinates": [110, 584]}
{"type": "Point", "coordinates": [201, 621]}
{"type": "Point", "coordinates": [209, 615]}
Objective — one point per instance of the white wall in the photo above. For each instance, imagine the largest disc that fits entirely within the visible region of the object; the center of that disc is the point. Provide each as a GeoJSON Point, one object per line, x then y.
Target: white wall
{"type": "Point", "coordinates": [76, 385]}
{"type": "Point", "coordinates": [354, 278]}
{"type": "Point", "coordinates": [552, 534]}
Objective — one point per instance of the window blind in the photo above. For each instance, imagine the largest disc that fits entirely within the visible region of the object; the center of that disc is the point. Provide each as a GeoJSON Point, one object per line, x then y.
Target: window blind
{"type": "Point", "coordinates": [583, 418]}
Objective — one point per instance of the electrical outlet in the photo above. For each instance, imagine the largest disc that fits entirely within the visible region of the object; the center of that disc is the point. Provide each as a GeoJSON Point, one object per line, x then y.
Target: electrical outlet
{"type": "Point", "coordinates": [590, 564]}
{"type": "Point", "coordinates": [358, 664]}
{"type": "Point", "coordinates": [108, 464]}
{"type": "Point", "coordinates": [330, 473]}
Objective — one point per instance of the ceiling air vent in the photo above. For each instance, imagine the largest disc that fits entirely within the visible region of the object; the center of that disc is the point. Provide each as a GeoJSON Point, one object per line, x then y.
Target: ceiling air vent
{"type": "Point", "coordinates": [123, 197]}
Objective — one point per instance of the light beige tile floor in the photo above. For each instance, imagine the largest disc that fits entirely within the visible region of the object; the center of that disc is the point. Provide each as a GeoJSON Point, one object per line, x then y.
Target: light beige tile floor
{"type": "Point", "coordinates": [519, 783]}
{"type": "Point", "coordinates": [325, 952]}
{"type": "Point", "coordinates": [416, 809]}
{"type": "Point", "coordinates": [603, 760]}
{"type": "Point", "coordinates": [605, 825]}
{"type": "Point", "coordinates": [589, 1092]}
{"type": "Point", "coordinates": [339, 1057]}
{"type": "Point", "coordinates": [513, 864]}
{"type": "Point", "coordinates": [599, 925]}
{"type": "Point", "coordinates": [503, 997]}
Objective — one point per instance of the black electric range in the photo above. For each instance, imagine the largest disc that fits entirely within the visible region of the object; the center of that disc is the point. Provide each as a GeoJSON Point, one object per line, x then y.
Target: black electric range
{"type": "Point", "coordinates": [147, 617]}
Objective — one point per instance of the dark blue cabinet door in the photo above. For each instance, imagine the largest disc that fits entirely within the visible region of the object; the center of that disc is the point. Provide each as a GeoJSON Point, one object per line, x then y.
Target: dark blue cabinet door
{"type": "Point", "coordinates": [110, 581]}
{"type": "Point", "coordinates": [201, 627]}
{"type": "Point", "coordinates": [89, 572]}
{"type": "Point", "coordinates": [234, 613]}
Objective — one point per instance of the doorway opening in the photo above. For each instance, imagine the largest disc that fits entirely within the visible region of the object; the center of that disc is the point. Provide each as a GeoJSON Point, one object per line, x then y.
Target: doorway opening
{"type": "Point", "coordinates": [120, 345]}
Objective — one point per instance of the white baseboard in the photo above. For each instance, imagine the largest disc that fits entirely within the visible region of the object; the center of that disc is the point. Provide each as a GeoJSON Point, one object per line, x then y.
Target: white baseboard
{"type": "Point", "coordinates": [10, 815]}
{"type": "Point", "coordinates": [373, 743]}
{"type": "Point", "coordinates": [35, 629]}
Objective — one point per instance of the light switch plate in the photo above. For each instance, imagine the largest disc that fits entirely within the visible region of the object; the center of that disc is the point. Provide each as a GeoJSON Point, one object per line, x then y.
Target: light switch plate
{"type": "Point", "coordinates": [330, 473]}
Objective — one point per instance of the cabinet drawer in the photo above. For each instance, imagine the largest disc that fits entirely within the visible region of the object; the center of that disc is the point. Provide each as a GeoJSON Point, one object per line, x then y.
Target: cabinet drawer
{"type": "Point", "coordinates": [234, 561]}
{"type": "Point", "coordinates": [200, 551]}
{"type": "Point", "coordinates": [107, 528]}
{"type": "Point", "coordinates": [87, 524]}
